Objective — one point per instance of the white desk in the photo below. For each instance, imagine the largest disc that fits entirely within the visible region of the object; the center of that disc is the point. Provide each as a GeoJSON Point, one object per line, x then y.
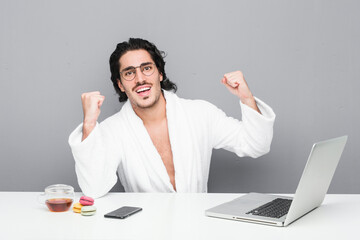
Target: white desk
{"type": "Point", "coordinates": [169, 216]}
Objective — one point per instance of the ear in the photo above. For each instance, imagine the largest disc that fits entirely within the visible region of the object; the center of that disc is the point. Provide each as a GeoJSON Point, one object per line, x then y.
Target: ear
{"type": "Point", "coordinates": [161, 77]}
{"type": "Point", "coordinates": [120, 85]}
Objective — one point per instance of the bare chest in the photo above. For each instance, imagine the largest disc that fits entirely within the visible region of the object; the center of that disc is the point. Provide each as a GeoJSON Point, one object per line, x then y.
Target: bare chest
{"type": "Point", "coordinates": [160, 137]}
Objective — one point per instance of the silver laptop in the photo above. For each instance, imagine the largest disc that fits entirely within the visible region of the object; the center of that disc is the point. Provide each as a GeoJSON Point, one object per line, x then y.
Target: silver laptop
{"type": "Point", "coordinates": [279, 210]}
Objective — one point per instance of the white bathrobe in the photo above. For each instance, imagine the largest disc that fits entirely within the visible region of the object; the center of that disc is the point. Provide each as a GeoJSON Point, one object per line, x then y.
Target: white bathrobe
{"type": "Point", "coordinates": [122, 144]}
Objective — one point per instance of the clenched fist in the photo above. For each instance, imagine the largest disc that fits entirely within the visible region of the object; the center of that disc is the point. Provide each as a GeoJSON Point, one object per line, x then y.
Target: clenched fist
{"type": "Point", "coordinates": [236, 84]}
{"type": "Point", "coordinates": [91, 103]}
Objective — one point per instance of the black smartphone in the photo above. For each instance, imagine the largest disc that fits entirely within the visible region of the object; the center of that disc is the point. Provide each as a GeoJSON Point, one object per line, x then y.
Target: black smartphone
{"type": "Point", "coordinates": [123, 212]}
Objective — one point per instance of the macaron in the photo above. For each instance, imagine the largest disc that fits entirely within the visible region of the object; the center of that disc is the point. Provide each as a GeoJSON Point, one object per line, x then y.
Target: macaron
{"type": "Point", "coordinates": [86, 201]}
{"type": "Point", "coordinates": [77, 207]}
{"type": "Point", "coordinates": [88, 210]}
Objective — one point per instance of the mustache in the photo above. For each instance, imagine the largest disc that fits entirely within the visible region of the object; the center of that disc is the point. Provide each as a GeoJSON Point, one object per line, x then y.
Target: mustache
{"type": "Point", "coordinates": [141, 84]}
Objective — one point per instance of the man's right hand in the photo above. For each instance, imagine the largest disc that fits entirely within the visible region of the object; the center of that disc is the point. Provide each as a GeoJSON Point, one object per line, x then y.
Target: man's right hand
{"type": "Point", "coordinates": [91, 103]}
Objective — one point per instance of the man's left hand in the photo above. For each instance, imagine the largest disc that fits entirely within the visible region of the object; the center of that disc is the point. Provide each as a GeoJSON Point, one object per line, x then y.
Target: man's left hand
{"type": "Point", "coordinates": [235, 82]}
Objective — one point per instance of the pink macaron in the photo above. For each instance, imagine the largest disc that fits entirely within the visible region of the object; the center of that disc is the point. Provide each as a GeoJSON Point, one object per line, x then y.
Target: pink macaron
{"type": "Point", "coordinates": [86, 201]}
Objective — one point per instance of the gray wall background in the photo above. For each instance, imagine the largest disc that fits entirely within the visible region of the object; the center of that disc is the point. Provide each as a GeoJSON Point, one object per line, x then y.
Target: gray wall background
{"type": "Point", "coordinates": [300, 57]}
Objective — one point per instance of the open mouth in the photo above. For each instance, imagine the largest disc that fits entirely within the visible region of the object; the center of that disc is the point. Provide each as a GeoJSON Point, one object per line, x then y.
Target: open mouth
{"type": "Point", "coordinates": [143, 91]}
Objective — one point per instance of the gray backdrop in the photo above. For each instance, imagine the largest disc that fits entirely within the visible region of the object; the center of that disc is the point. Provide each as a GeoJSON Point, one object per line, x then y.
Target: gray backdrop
{"type": "Point", "coordinates": [300, 57]}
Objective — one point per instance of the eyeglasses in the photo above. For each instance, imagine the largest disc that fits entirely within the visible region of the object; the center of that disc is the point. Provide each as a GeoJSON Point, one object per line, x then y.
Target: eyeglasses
{"type": "Point", "coordinates": [129, 73]}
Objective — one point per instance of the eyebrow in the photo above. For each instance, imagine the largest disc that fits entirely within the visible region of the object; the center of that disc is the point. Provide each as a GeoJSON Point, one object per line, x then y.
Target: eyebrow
{"type": "Point", "coordinates": [131, 67]}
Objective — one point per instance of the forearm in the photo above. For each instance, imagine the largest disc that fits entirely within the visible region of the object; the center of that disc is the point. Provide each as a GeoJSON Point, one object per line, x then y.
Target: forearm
{"type": "Point", "coordinates": [258, 128]}
{"type": "Point", "coordinates": [88, 127]}
{"type": "Point", "coordinates": [237, 85]}
{"type": "Point", "coordinates": [250, 137]}
{"type": "Point", "coordinates": [251, 102]}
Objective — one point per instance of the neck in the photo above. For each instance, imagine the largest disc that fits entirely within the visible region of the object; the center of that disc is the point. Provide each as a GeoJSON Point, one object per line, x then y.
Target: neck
{"type": "Point", "coordinates": [153, 114]}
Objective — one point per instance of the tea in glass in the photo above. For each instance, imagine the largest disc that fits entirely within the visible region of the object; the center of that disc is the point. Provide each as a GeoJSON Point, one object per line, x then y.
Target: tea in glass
{"type": "Point", "coordinates": [58, 197]}
{"type": "Point", "coordinates": [59, 204]}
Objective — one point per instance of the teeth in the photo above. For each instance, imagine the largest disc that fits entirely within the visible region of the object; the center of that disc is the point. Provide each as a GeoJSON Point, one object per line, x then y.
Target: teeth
{"type": "Point", "coordinates": [142, 89]}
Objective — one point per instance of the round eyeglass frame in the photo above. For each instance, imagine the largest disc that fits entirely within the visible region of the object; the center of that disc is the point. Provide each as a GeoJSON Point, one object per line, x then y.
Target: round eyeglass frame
{"type": "Point", "coordinates": [142, 66]}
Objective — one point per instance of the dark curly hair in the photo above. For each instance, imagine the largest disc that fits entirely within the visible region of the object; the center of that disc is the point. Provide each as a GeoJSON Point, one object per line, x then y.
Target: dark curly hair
{"type": "Point", "coordinates": [136, 44]}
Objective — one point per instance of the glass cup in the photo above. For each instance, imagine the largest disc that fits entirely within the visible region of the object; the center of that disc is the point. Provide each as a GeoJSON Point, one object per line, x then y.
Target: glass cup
{"type": "Point", "coordinates": [58, 197]}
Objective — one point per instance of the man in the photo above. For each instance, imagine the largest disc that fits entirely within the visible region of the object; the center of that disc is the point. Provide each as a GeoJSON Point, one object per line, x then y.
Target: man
{"type": "Point", "coordinates": [159, 142]}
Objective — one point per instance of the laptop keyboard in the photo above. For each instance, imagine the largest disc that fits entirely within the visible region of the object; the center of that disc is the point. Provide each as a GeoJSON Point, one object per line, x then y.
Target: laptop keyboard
{"type": "Point", "coordinates": [274, 209]}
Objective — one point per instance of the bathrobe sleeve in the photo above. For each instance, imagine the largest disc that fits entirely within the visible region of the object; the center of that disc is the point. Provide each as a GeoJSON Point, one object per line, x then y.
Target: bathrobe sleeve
{"type": "Point", "coordinates": [96, 159]}
{"type": "Point", "coordinates": [250, 137]}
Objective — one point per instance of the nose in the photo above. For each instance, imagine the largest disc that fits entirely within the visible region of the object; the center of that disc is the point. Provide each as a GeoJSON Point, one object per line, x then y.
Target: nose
{"type": "Point", "coordinates": [139, 76]}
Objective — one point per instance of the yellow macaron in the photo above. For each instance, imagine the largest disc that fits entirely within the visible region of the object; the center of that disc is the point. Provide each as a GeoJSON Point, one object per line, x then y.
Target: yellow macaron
{"type": "Point", "coordinates": [77, 207]}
